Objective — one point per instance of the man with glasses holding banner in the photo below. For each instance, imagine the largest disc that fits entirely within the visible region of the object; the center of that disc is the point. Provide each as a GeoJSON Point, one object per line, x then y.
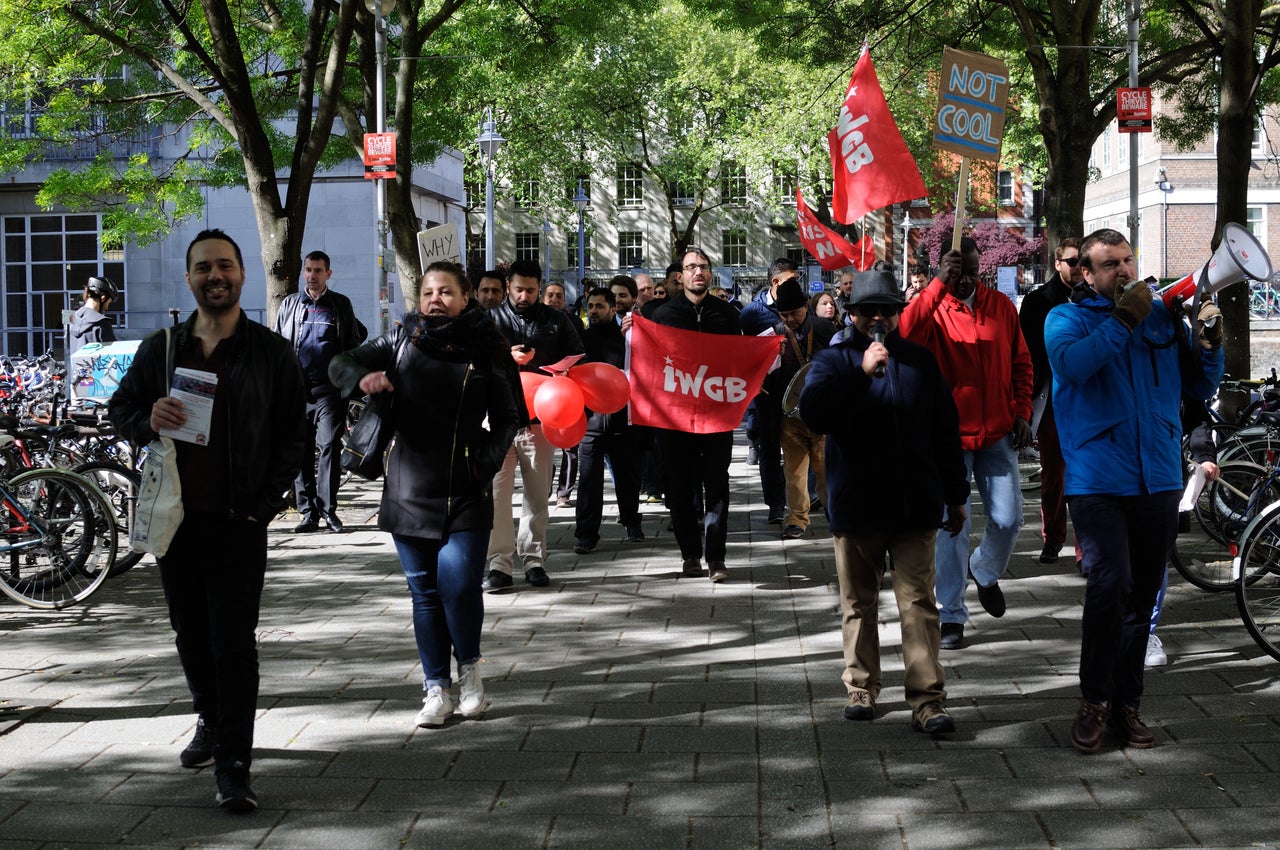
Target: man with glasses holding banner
{"type": "Point", "coordinates": [1035, 309]}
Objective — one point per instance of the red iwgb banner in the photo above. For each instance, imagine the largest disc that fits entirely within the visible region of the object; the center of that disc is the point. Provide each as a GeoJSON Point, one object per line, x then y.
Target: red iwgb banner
{"type": "Point", "coordinates": [870, 163]}
{"type": "Point", "coordinates": [830, 249]}
{"type": "Point", "coordinates": [695, 382]}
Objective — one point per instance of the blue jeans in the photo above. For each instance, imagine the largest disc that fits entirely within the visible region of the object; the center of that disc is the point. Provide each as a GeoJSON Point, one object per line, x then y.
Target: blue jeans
{"type": "Point", "coordinates": [1126, 542]}
{"type": "Point", "coordinates": [448, 604]}
{"type": "Point", "coordinates": [994, 471]}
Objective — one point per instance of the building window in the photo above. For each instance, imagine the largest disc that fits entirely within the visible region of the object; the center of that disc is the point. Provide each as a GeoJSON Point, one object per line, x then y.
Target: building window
{"type": "Point", "coordinates": [630, 249]}
{"type": "Point", "coordinates": [798, 255]}
{"type": "Point", "coordinates": [682, 194]}
{"type": "Point", "coordinates": [475, 194]}
{"type": "Point", "coordinates": [47, 259]}
{"type": "Point", "coordinates": [784, 185]}
{"type": "Point", "coordinates": [1004, 188]}
{"type": "Point", "coordinates": [1254, 220]}
{"type": "Point", "coordinates": [630, 185]}
{"type": "Point", "coordinates": [733, 183]}
{"type": "Point", "coordinates": [572, 262]}
{"type": "Point", "coordinates": [527, 194]}
{"type": "Point", "coordinates": [1259, 136]}
{"type": "Point", "coordinates": [733, 247]}
{"type": "Point", "coordinates": [1105, 141]}
{"type": "Point", "coordinates": [528, 245]}
{"type": "Point", "coordinates": [1122, 149]}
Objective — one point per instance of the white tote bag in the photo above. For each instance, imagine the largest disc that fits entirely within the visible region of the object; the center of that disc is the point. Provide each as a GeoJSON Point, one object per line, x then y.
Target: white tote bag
{"type": "Point", "coordinates": [159, 510]}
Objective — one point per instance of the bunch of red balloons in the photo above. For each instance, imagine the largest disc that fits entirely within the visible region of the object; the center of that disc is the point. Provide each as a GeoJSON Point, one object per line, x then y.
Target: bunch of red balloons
{"type": "Point", "coordinates": [558, 400]}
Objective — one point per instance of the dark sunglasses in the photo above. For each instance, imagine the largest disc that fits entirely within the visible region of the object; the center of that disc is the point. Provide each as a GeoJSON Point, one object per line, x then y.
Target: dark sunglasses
{"type": "Point", "coordinates": [870, 311]}
{"type": "Point", "coordinates": [1071, 261]}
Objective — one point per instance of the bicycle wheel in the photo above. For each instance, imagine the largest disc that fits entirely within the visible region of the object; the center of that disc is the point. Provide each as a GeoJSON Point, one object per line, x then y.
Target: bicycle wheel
{"type": "Point", "coordinates": [1258, 588]}
{"type": "Point", "coordinates": [1225, 506]}
{"type": "Point", "coordinates": [59, 543]}
{"type": "Point", "coordinates": [120, 485]}
{"type": "Point", "coordinates": [1028, 469]}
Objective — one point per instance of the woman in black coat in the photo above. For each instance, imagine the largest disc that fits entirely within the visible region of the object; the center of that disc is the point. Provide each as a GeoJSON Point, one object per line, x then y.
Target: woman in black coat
{"type": "Point", "coordinates": [446, 369]}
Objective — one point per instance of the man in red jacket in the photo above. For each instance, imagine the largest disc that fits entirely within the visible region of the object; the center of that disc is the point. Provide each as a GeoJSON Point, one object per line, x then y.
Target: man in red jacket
{"type": "Point", "coordinates": [973, 331]}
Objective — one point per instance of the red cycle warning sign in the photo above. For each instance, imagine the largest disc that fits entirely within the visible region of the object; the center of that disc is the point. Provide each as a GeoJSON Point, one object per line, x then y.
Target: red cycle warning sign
{"type": "Point", "coordinates": [1133, 109]}
{"type": "Point", "coordinates": [379, 155]}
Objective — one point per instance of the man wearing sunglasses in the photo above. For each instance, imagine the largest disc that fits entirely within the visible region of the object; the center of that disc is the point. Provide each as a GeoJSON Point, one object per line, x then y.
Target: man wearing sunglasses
{"type": "Point", "coordinates": [1035, 309]}
{"type": "Point", "coordinates": [893, 462]}
{"type": "Point", "coordinates": [973, 331]}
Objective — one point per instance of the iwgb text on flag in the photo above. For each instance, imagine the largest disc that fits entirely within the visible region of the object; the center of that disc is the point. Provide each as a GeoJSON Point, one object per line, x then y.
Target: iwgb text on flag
{"type": "Point", "coordinates": [871, 165]}
{"type": "Point", "coordinates": [695, 382]}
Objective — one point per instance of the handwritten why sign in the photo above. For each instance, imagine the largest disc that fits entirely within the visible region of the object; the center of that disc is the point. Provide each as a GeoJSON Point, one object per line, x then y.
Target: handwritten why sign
{"type": "Point", "coordinates": [972, 96]}
{"type": "Point", "coordinates": [437, 244]}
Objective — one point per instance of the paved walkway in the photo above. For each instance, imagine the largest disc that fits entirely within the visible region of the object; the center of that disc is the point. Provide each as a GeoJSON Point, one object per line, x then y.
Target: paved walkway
{"type": "Point", "coordinates": [632, 708]}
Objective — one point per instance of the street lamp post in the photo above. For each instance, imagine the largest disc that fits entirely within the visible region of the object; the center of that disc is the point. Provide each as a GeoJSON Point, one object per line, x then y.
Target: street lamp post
{"type": "Point", "coordinates": [1163, 184]}
{"type": "Point", "coordinates": [489, 141]}
{"type": "Point", "coordinates": [580, 200]}
{"type": "Point", "coordinates": [380, 9]}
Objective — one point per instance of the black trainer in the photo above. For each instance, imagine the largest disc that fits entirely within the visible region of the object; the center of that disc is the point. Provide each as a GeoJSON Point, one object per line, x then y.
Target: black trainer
{"type": "Point", "coordinates": [234, 793]}
{"type": "Point", "coordinates": [199, 753]}
{"type": "Point", "coordinates": [496, 581]}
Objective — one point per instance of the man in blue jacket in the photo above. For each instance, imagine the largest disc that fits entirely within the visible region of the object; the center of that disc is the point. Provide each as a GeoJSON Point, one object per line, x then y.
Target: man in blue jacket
{"type": "Point", "coordinates": [1120, 363]}
{"type": "Point", "coordinates": [893, 462]}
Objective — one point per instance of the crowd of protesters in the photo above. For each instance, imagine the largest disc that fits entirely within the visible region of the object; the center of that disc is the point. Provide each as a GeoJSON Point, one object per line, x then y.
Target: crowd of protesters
{"type": "Point", "coordinates": [885, 407]}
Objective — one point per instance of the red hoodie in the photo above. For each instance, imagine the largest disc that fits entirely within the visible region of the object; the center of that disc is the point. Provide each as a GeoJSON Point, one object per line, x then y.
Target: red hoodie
{"type": "Point", "coordinates": [982, 354]}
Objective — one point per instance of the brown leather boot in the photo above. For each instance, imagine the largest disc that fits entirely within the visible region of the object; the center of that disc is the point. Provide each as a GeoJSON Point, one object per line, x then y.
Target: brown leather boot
{"type": "Point", "coordinates": [1129, 726]}
{"type": "Point", "coordinates": [1089, 725]}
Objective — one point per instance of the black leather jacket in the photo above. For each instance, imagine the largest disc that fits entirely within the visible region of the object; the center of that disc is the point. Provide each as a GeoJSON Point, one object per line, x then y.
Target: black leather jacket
{"type": "Point", "coordinates": [547, 331]}
{"type": "Point", "coordinates": [265, 411]}
{"type": "Point", "coordinates": [442, 460]}
{"type": "Point", "coordinates": [351, 332]}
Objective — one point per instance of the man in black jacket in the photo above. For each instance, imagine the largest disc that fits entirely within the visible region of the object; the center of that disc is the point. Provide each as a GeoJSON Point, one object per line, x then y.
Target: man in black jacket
{"type": "Point", "coordinates": [320, 323]}
{"type": "Point", "coordinates": [232, 486]}
{"type": "Point", "coordinates": [608, 437]}
{"type": "Point", "coordinates": [1031, 315]}
{"type": "Point", "coordinates": [539, 336]}
{"type": "Point", "coordinates": [893, 463]}
{"type": "Point", "coordinates": [698, 464]}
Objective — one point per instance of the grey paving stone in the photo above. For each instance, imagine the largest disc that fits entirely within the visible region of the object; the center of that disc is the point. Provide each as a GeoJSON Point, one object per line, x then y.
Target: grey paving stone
{"type": "Point", "coordinates": [658, 767]}
{"type": "Point", "coordinates": [625, 833]}
{"type": "Point", "coordinates": [578, 798]}
{"type": "Point", "coordinates": [719, 739]}
{"type": "Point", "coordinates": [1251, 827]}
{"type": "Point", "coordinates": [477, 766]}
{"type": "Point", "coordinates": [479, 831]}
{"type": "Point", "coordinates": [431, 796]}
{"type": "Point", "coordinates": [1145, 827]}
{"type": "Point", "coordinates": [592, 739]}
{"type": "Point", "coordinates": [895, 796]}
{"type": "Point", "coordinates": [649, 799]}
{"type": "Point", "coordinates": [930, 831]}
{"type": "Point", "coordinates": [339, 830]}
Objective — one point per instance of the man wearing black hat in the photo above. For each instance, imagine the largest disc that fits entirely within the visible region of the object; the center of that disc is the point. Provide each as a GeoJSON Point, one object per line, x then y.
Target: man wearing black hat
{"type": "Point", "coordinates": [893, 462]}
{"type": "Point", "coordinates": [801, 448]}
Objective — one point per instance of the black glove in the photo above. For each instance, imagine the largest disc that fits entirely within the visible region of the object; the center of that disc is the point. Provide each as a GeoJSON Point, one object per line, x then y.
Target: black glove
{"type": "Point", "coordinates": [1134, 305]}
{"type": "Point", "coordinates": [1210, 322]}
{"type": "Point", "coordinates": [950, 268]}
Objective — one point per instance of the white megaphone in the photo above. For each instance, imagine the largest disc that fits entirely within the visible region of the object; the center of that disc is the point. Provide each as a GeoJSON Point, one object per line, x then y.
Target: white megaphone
{"type": "Point", "coordinates": [1239, 257]}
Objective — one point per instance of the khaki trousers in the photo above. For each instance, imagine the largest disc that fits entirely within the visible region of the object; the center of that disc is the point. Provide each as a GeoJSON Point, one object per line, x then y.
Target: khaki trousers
{"type": "Point", "coordinates": [802, 450]}
{"type": "Point", "coordinates": [860, 563]}
{"type": "Point", "coordinates": [536, 458]}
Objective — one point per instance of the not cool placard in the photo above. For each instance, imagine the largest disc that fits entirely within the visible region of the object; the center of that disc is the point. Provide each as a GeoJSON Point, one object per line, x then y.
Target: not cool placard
{"type": "Point", "coordinates": [973, 93]}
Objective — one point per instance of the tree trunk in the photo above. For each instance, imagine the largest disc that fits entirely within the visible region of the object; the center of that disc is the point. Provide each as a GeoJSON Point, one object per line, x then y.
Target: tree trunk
{"type": "Point", "coordinates": [1236, 109]}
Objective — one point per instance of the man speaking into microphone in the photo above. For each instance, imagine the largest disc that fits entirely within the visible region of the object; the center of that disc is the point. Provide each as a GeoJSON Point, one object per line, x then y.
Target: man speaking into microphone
{"type": "Point", "coordinates": [893, 462]}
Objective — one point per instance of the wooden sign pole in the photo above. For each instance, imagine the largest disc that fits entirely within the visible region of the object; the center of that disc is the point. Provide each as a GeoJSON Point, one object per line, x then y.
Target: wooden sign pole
{"type": "Point", "coordinates": [962, 194]}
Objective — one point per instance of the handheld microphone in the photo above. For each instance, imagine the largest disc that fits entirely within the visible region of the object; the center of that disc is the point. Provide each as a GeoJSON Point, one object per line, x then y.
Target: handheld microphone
{"type": "Point", "coordinates": [878, 334]}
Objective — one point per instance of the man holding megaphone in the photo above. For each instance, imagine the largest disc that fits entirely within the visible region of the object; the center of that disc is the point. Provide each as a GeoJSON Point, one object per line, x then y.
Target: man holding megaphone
{"type": "Point", "coordinates": [1121, 360]}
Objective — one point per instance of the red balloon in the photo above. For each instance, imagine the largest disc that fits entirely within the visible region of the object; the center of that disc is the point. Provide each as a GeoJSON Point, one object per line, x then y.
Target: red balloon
{"type": "Point", "coordinates": [605, 388]}
{"type": "Point", "coordinates": [567, 438]}
{"type": "Point", "coordinates": [529, 382]}
{"type": "Point", "coordinates": [558, 402]}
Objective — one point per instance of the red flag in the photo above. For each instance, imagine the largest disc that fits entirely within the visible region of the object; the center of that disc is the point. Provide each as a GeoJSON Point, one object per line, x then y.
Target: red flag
{"type": "Point", "coordinates": [864, 253]}
{"type": "Point", "coordinates": [695, 382]}
{"type": "Point", "coordinates": [869, 160]}
{"type": "Point", "coordinates": [830, 249]}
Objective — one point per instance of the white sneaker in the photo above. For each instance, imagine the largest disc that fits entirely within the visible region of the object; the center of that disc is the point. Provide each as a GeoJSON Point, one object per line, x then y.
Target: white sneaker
{"type": "Point", "coordinates": [1156, 656]}
{"type": "Point", "coordinates": [472, 701]}
{"type": "Point", "coordinates": [437, 707]}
